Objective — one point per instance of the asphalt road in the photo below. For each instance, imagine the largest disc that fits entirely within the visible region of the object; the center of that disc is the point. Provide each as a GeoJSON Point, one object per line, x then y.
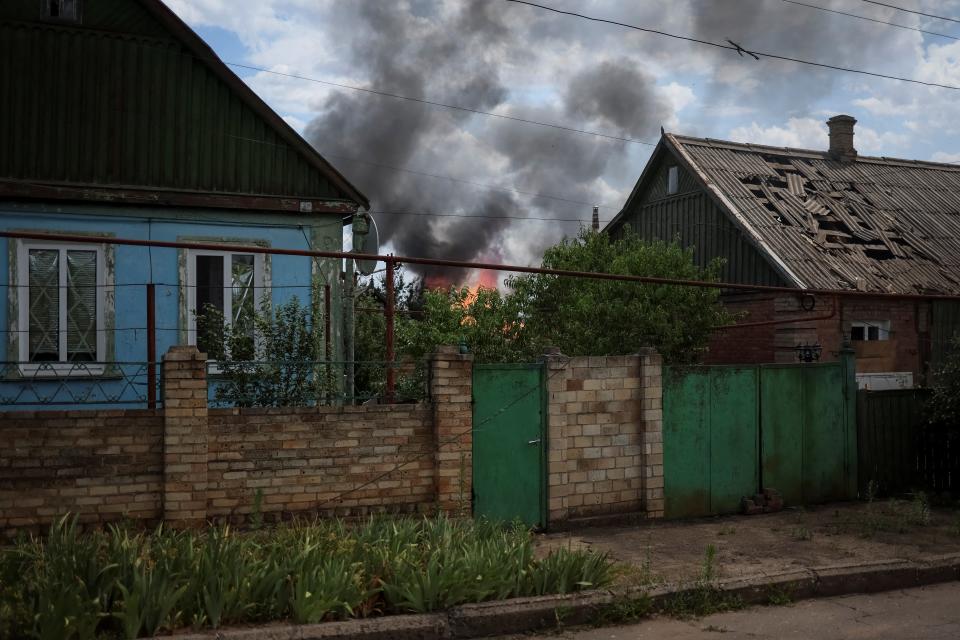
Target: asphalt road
{"type": "Point", "coordinates": [925, 613]}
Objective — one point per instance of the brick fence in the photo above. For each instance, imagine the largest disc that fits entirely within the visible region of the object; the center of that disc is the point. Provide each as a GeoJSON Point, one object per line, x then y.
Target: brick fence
{"type": "Point", "coordinates": [187, 463]}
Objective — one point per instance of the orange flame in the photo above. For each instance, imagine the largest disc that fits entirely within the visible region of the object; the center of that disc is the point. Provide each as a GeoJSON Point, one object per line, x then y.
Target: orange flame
{"type": "Point", "coordinates": [488, 280]}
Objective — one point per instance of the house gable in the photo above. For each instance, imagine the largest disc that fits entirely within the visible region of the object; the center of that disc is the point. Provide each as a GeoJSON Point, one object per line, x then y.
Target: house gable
{"type": "Point", "coordinates": [691, 216]}
{"type": "Point", "coordinates": [130, 98]}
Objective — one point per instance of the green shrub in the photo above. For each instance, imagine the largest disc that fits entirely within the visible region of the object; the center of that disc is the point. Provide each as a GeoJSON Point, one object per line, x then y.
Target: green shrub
{"type": "Point", "coordinates": [125, 584]}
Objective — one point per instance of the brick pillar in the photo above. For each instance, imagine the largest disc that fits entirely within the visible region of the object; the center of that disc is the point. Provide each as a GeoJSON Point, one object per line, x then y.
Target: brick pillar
{"type": "Point", "coordinates": [562, 429]}
{"type": "Point", "coordinates": [451, 391]}
{"type": "Point", "coordinates": [184, 436]}
{"type": "Point", "coordinates": [651, 364]}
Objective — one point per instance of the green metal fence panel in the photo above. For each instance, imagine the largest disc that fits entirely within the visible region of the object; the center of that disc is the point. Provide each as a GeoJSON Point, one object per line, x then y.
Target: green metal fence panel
{"type": "Point", "coordinates": [825, 454]}
{"type": "Point", "coordinates": [729, 431]}
{"type": "Point", "coordinates": [781, 414]}
{"type": "Point", "coordinates": [686, 443]}
{"type": "Point", "coordinates": [710, 439]}
{"type": "Point", "coordinates": [734, 437]}
{"type": "Point", "coordinates": [509, 442]}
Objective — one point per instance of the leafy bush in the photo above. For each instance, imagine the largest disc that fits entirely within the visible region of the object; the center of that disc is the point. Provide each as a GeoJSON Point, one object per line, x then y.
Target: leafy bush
{"type": "Point", "coordinates": [118, 583]}
{"type": "Point", "coordinates": [943, 405]}
{"type": "Point", "coordinates": [581, 316]}
{"type": "Point", "coordinates": [271, 359]}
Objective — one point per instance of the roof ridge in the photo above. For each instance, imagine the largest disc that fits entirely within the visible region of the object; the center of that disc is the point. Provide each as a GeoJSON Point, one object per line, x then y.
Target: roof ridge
{"type": "Point", "coordinates": [818, 153]}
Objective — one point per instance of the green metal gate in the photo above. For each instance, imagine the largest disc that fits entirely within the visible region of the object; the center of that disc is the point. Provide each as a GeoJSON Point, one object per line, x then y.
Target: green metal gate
{"type": "Point", "coordinates": [729, 431]}
{"type": "Point", "coordinates": [710, 436]}
{"type": "Point", "coordinates": [509, 443]}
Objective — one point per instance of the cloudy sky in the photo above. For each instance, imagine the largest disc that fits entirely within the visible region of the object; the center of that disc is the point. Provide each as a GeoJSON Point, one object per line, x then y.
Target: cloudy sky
{"type": "Point", "coordinates": [515, 60]}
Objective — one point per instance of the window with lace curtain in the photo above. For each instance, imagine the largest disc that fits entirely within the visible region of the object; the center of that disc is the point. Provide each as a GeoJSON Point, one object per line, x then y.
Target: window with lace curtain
{"type": "Point", "coordinates": [61, 307]}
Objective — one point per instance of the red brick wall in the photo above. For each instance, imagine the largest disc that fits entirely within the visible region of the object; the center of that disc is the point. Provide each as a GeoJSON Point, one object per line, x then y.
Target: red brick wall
{"type": "Point", "coordinates": [775, 343]}
{"type": "Point", "coordinates": [103, 465]}
{"type": "Point", "coordinates": [303, 459]}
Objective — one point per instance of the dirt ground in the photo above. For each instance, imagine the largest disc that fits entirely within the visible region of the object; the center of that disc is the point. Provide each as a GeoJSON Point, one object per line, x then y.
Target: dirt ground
{"type": "Point", "coordinates": [746, 546]}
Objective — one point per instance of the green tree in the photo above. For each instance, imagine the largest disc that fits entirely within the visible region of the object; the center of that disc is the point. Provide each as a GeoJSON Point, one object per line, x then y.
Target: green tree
{"type": "Point", "coordinates": [488, 322]}
{"type": "Point", "coordinates": [943, 405]}
{"type": "Point", "coordinates": [581, 316]}
{"type": "Point", "coordinates": [603, 317]}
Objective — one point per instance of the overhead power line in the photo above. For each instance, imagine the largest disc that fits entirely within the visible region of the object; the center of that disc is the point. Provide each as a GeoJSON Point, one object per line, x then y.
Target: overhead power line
{"type": "Point", "coordinates": [437, 176]}
{"type": "Point", "coordinates": [919, 13]}
{"type": "Point", "coordinates": [859, 17]}
{"type": "Point", "coordinates": [741, 50]}
{"type": "Point", "coordinates": [481, 185]}
{"type": "Point", "coordinates": [585, 219]}
{"type": "Point", "coordinates": [444, 105]}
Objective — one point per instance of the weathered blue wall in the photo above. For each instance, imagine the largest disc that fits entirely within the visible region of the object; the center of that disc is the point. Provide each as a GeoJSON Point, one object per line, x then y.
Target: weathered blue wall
{"type": "Point", "coordinates": [288, 276]}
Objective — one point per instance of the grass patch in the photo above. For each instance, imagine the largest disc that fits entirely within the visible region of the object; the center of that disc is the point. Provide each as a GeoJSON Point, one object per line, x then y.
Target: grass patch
{"type": "Point", "coordinates": [891, 516]}
{"type": "Point", "coordinates": [120, 583]}
{"type": "Point", "coordinates": [702, 597]}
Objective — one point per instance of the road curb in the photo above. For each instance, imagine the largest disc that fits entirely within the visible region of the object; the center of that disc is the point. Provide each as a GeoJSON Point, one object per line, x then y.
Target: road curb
{"type": "Point", "coordinates": [522, 615]}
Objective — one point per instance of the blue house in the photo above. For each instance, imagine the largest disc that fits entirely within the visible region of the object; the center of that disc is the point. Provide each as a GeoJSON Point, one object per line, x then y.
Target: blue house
{"type": "Point", "coordinates": [118, 121]}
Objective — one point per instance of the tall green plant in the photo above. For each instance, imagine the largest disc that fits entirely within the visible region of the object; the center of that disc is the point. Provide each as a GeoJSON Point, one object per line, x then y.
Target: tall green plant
{"type": "Point", "coordinates": [269, 360]}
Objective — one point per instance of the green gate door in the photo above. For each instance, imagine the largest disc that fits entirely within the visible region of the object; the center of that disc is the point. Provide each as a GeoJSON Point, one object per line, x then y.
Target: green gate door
{"type": "Point", "coordinates": [710, 439]}
{"type": "Point", "coordinates": [809, 441]}
{"type": "Point", "coordinates": [509, 443]}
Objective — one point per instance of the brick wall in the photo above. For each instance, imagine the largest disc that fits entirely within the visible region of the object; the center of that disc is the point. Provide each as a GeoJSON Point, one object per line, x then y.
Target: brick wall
{"type": "Point", "coordinates": [604, 429]}
{"type": "Point", "coordinates": [905, 351]}
{"type": "Point", "coordinates": [103, 465]}
{"type": "Point", "coordinates": [314, 459]}
{"type": "Point", "coordinates": [186, 463]}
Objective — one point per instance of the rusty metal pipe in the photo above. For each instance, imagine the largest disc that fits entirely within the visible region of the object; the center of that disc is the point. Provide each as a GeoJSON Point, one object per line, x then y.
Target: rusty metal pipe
{"type": "Point", "coordinates": [388, 311]}
{"type": "Point", "coordinates": [151, 346]}
{"type": "Point", "coordinates": [767, 323]}
{"type": "Point", "coordinates": [459, 264]}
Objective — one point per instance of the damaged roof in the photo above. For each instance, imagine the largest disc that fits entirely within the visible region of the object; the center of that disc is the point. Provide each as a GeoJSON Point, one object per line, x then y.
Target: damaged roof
{"type": "Point", "coordinates": [870, 224]}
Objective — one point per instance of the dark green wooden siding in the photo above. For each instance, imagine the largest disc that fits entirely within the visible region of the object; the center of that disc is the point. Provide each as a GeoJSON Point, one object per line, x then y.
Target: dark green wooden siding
{"type": "Point", "coordinates": [116, 101]}
{"type": "Point", "coordinates": [693, 218]}
{"type": "Point", "coordinates": [697, 222]}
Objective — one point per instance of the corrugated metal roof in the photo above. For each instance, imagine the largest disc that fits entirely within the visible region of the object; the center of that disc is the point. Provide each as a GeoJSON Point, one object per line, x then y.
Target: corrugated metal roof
{"type": "Point", "coordinates": [873, 224]}
{"type": "Point", "coordinates": [131, 97]}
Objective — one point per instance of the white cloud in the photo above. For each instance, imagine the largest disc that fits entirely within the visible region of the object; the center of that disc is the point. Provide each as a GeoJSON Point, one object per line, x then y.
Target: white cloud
{"type": "Point", "coordinates": [804, 133]}
{"type": "Point", "coordinates": [885, 106]}
{"type": "Point", "coordinates": [943, 156]}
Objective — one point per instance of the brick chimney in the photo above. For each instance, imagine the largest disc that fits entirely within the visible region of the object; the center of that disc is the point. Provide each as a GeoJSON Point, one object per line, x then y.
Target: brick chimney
{"type": "Point", "coordinates": [595, 223]}
{"type": "Point", "coordinates": [841, 138]}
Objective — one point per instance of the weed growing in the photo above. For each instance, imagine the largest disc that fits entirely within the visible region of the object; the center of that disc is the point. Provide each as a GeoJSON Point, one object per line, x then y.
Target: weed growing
{"type": "Point", "coordinates": [702, 597]}
{"type": "Point", "coordinates": [123, 584]}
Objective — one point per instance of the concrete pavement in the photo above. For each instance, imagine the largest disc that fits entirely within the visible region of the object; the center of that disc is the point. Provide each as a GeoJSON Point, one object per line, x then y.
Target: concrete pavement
{"type": "Point", "coordinates": [924, 613]}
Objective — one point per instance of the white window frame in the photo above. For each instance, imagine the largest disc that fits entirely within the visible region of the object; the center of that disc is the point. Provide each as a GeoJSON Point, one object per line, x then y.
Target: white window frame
{"type": "Point", "coordinates": [882, 326]}
{"type": "Point", "coordinates": [258, 284]}
{"type": "Point", "coordinates": [673, 180]}
{"type": "Point", "coordinates": [60, 367]}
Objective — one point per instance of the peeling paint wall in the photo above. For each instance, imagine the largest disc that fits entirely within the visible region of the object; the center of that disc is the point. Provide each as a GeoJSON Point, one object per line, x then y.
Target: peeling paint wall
{"type": "Point", "coordinates": [133, 267]}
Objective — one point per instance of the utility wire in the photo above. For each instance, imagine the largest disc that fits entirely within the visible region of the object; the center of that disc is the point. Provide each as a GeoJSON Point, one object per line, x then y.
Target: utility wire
{"type": "Point", "coordinates": [434, 103]}
{"type": "Point", "coordinates": [741, 50]}
{"type": "Point", "coordinates": [859, 17]}
{"type": "Point", "coordinates": [470, 182]}
{"type": "Point", "coordinates": [919, 13]}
